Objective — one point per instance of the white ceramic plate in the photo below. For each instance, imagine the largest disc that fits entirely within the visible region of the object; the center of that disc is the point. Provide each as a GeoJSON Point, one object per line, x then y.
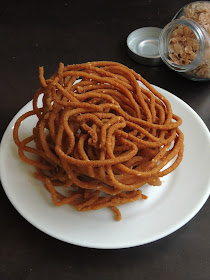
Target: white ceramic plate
{"type": "Point", "coordinates": [167, 208]}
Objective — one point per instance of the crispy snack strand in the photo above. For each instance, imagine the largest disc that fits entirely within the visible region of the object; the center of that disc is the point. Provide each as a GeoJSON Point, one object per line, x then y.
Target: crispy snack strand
{"type": "Point", "coordinates": [100, 135]}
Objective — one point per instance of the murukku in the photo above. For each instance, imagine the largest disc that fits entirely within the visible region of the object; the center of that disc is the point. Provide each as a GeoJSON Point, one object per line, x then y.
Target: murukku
{"type": "Point", "coordinates": [100, 135]}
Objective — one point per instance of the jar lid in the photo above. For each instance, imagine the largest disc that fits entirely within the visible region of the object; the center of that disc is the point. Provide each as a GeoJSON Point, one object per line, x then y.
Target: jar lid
{"type": "Point", "coordinates": [142, 45]}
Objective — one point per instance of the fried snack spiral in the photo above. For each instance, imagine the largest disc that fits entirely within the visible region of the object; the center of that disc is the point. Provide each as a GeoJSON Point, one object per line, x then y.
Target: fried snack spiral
{"type": "Point", "coordinates": [100, 135]}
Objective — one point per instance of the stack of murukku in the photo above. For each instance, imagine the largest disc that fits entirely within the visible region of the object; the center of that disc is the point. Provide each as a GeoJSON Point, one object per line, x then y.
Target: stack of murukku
{"type": "Point", "coordinates": [100, 136]}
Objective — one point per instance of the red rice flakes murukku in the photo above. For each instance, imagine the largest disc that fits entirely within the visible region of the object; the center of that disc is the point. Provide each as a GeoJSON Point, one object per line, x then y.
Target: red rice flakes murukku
{"type": "Point", "coordinates": [100, 135]}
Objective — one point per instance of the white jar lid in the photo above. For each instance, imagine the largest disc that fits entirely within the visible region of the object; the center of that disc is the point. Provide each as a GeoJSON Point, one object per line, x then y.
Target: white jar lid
{"type": "Point", "coordinates": [142, 45]}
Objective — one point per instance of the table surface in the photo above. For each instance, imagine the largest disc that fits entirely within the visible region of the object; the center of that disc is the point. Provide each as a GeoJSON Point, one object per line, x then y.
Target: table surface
{"type": "Point", "coordinates": [46, 33]}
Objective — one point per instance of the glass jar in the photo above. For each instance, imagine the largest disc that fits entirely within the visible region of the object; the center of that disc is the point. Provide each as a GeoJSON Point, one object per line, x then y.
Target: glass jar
{"type": "Point", "coordinates": [184, 43]}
